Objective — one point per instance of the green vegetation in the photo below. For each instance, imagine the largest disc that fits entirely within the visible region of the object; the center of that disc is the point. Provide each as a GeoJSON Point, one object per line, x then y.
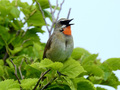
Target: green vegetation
{"type": "Point", "coordinates": [21, 51]}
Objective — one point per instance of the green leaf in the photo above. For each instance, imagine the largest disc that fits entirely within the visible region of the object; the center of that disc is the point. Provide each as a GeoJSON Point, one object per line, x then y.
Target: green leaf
{"type": "Point", "coordinates": [15, 12]}
{"type": "Point", "coordinates": [99, 88]}
{"type": "Point", "coordinates": [85, 85]}
{"type": "Point", "coordinates": [107, 70]}
{"type": "Point", "coordinates": [114, 63]}
{"type": "Point", "coordinates": [70, 83]}
{"type": "Point", "coordinates": [78, 52]}
{"type": "Point", "coordinates": [96, 79]}
{"type": "Point", "coordinates": [90, 59]}
{"type": "Point", "coordinates": [28, 83]}
{"type": "Point", "coordinates": [16, 50]}
{"type": "Point", "coordinates": [8, 84]}
{"type": "Point", "coordinates": [37, 50]}
{"type": "Point", "coordinates": [94, 70]}
{"type": "Point", "coordinates": [37, 29]}
{"type": "Point", "coordinates": [1, 71]}
{"type": "Point", "coordinates": [36, 19]}
{"type": "Point", "coordinates": [112, 81]}
{"type": "Point", "coordinates": [44, 3]}
{"type": "Point", "coordinates": [48, 63]}
{"type": "Point", "coordinates": [1, 62]}
{"type": "Point", "coordinates": [4, 33]}
{"type": "Point", "coordinates": [72, 68]}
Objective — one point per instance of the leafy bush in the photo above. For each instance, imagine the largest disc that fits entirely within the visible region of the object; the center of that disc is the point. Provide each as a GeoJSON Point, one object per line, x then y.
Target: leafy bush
{"type": "Point", "coordinates": [21, 64]}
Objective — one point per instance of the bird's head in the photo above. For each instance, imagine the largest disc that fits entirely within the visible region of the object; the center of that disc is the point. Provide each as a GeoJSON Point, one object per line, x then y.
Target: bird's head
{"type": "Point", "coordinates": [63, 25]}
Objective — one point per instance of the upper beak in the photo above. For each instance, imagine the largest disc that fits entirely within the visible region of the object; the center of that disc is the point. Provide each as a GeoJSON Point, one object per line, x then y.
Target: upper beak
{"type": "Point", "coordinates": [67, 22]}
{"type": "Point", "coordinates": [70, 21]}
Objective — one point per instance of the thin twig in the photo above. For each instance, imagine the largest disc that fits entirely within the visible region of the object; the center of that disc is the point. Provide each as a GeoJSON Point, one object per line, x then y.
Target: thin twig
{"type": "Point", "coordinates": [5, 57]}
{"type": "Point", "coordinates": [40, 8]}
{"type": "Point", "coordinates": [51, 10]}
{"type": "Point", "coordinates": [56, 6]}
{"type": "Point", "coordinates": [20, 68]}
{"type": "Point", "coordinates": [16, 73]}
{"type": "Point", "coordinates": [69, 13]}
{"type": "Point", "coordinates": [40, 79]}
{"type": "Point", "coordinates": [57, 16]}
{"type": "Point", "coordinates": [48, 83]}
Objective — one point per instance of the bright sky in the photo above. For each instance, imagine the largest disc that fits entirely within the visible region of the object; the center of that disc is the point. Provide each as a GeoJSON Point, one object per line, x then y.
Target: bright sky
{"type": "Point", "coordinates": [97, 26]}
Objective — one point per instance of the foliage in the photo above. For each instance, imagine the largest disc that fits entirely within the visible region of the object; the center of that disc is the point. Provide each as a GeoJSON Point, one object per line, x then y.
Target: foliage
{"type": "Point", "coordinates": [25, 49]}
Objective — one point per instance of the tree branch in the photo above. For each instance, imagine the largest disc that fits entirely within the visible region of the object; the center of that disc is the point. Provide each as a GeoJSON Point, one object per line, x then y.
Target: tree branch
{"type": "Point", "coordinates": [40, 79]}
{"type": "Point", "coordinates": [51, 10]}
{"type": "Point", "coordinates": [16, 73]}
{"type": "Point", "coordinates": [69, 13]}
{"type": "Point", "coordinates": [20, 68]}
{"type": "Point", "coordinates": [48, 83]}
{"type": "Point", "coordinates": [57, 16]}
{"type": "Point", "coordinates": [40, 8]}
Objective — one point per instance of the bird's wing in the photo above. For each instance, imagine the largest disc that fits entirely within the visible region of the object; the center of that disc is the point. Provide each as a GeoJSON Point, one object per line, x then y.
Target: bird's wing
{"type": "Point", "coordinates": [48, 45]}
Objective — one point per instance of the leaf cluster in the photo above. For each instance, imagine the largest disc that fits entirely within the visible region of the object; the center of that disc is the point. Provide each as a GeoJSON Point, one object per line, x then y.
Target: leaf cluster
{"type": "Point", "coordinates": [23, 46]}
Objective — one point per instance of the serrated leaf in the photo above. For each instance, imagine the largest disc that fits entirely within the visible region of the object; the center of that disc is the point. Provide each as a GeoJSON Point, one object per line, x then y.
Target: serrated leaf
{"type": "Point", "coordinates": [28, 83]}
{"type": "Point", "coordinates": [114, 63]}
{"type": "Point", "coordinates": [85, 85]}
{"type": "Point", "coordinates": [90, 59]}
{"type": "Point", "coordinates": [107, 70]}
{"type": "Point", "coordinates": [49, 64]}
{"type": "Point", "coordinates": [112, 81]}
{"type": "Point", "coordinates": [70, 83]}
{"type": "Point", "coordinates": [78, 52]}
{"type": "Point", "coordinates": [72, 68]}
{"type": "Point", "coordinates": [94, 69]}
{"type": "Point", "coordinates": [9, 84]}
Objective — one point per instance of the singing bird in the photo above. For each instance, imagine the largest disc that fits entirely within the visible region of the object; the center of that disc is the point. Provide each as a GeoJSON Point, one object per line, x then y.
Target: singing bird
{"type": "Point", "coordinates": [60, 44]}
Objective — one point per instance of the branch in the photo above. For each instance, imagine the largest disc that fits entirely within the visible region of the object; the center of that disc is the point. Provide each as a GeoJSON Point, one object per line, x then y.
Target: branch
{"type": "Point", "coordinates": [51, 10]}
{"type": "Point", "coordinates": [57, 16]}
{"type": "Point", "coordinates": [5, 57]}
{"type": "Point", "coordinates": [68, 13]}
{"type": "Point", "coordinates": [40, 8]}
{"type": "Point", "coordinates": [48, 83]}
{"type": "Point", "coordinates": [40, 79]}
{"type": "Point", "coordinates": [56, 6]}
{"type": "Point", "coordinates": [20, 68]}
{"type": "Point", "coordinates": [16, 73]}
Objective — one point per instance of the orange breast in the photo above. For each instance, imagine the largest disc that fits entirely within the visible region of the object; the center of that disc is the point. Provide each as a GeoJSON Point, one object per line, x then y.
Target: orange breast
{"type": "Point", "coordinates": [67, 30]}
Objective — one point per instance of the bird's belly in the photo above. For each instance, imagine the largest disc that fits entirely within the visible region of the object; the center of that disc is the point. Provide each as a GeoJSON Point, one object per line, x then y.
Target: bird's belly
{"type": "Point", "coordinates": [60, 52]}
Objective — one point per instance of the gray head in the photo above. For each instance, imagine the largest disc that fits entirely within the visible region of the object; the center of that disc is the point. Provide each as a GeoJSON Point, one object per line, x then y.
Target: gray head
{"type": "Point", "coordinates": [62, 23]}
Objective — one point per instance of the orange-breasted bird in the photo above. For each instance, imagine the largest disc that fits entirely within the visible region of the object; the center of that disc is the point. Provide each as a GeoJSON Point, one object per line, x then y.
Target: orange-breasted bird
{"type": "Point", "coordinates": [60, 44]}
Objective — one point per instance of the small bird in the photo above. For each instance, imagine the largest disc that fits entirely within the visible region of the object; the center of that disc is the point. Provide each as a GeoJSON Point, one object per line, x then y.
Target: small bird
{"type": "Point", "coordinates": [60, 44]}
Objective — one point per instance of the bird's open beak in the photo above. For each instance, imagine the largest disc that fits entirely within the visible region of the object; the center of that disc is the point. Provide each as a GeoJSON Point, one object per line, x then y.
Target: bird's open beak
{"type": "Point", "coordinates": [67, 22]}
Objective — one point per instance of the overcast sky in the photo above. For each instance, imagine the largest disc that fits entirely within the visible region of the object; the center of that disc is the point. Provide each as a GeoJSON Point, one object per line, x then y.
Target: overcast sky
{"type": "Point", "coordinates": [97, 26]}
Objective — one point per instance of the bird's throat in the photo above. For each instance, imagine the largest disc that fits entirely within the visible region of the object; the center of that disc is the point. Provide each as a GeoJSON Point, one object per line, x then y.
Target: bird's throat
{"type": "Point", "coordinates": [67, 30]}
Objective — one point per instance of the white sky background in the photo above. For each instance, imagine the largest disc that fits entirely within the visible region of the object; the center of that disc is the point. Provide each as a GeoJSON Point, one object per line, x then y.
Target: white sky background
{"type": "Point", "coordinates": [97, 26]}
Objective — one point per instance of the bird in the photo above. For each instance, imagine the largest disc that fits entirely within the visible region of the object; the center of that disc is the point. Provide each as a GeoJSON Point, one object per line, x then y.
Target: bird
{"type": "Point", "coordinates": [60, 45]}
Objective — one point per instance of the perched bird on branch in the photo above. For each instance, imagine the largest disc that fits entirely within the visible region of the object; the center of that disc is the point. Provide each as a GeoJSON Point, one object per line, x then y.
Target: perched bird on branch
{"type": "Point", "coordinates": [60, 44]}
